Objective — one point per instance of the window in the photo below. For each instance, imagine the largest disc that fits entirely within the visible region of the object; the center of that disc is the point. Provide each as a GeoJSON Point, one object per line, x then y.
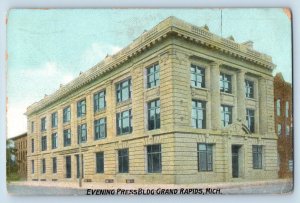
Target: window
{"type": "Point", "coordinates": [250, 118]}
{"type": "Point", "coordinates": [68, 167]}
{"type": "Point", "coordinates": [249, 88]}
{"type": "Point", "coordinates": [54, 140]}
{"type": "Point", "coordinates": [226, 115]}
{"type": "Point", "coordinates": [82, 134]}
{"type": "Point", "coordinates": [100, 128]}
{"type": "Point", "coordinates": [43, 165]}
{"type": "Point", "coordinates": [81, 108]}
{"type": "Point", "coordinates": [278, 107]}
{"type": "Point", "coordinates": [99, 162]}
{"type": "Point", "coordinates": [44, 143]}
{"type": "Point", "coordinates": [279, 132]}
{"type": "Point", "coordinates": [124, 125]}
{"type": "Point", "coordinates": [197, 76]}
{"type": "Point", "coordinates": [287, 130]}
{"type": "Point", "coordinates": [257, 156]}
{"type": "Point", "coordinates": [99, 101]}
{"type": "Point", "coordinates": [67, 114]}
{"type": "Point", "coordinates": [154, 158]}
{"type": "Point", "coordinates": [205, 157]}
{"type": "Point", "coordinates": [54, 120]}
{"type": "Point", "coordinates": [123, 160]}
{"type": "Point", "coordinates": [32, 166]}
{"type": "Point", "coordinates": [287, 109]}
{"type": "Point", "coordinates": [32, 145]}
{"type": "Point", "coordinates": [153, 76]}
{"type": "Point", "coordinates": [54, 165]}
{"type": "Point", "coordinates": [32, 126]}
{"type": "Point", "coordinates": [225, 83]}
{"type": "Point", "coordinates": [67, 137]}
{"type": "Point", "coordinates": [198, 114]}
{"type": "Point", "coordinates": [43, 124]}
{"type": "Point", "coordinates": [124, 90]}
{"type": "Point", "coordinates": [154, 115]}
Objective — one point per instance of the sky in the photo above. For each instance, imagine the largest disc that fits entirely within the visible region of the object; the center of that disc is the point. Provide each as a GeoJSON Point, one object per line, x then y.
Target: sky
{"type": "Point", "coordinates": [47, 48]}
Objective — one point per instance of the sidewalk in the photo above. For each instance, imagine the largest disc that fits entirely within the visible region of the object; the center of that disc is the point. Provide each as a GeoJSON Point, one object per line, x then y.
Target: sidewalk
{"type": "Point", "coordinates": [97, 185]}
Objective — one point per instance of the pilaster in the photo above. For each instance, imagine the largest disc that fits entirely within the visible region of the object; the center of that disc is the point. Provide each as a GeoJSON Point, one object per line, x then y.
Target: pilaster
{"type": "Point", "coordinates": [241, 110]}
{"type": "Point", "coordinates": [215, 95]}
{"type": "Point", "coordinates": [262, 106]}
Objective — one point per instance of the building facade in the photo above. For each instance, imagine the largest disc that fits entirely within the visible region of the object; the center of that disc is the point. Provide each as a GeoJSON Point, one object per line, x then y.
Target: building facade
{"type": "Point", "coordinates": [178, 105]}
{"type": "Point", "coordinates": [20, 143]}
{"type": "Point", "coordinates": [283, 110]}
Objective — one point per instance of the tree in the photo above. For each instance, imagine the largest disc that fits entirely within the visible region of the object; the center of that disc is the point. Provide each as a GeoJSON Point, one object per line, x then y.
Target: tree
{"type": "Point", "coordinates": [11, 164]}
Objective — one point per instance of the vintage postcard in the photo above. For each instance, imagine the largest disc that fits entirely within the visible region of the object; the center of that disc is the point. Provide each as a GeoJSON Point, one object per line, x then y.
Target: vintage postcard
{"type": "Point", "coordinates": [149, 101]}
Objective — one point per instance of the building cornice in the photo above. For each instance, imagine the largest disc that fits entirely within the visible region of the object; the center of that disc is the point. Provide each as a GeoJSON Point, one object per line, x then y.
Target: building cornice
{"type": "Point", "coordinates": [170, 26]}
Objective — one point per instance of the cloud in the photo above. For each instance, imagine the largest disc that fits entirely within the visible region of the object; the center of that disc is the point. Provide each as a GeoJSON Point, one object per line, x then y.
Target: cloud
{"type": "Point", "coordinates": [16, 120]}
{"type": "Point", "coordinates": [49, 69]}
{"type": "Point", "coordinates": [29, 85]}
{"type": "Point", "coordinates": [96, 53]}
{"type": "Point", "coordinates": [34, 82]}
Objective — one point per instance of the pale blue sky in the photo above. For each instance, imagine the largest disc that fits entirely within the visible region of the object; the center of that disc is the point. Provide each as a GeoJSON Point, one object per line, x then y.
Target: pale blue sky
{"type": "Point", "coordinates": [50, 47]}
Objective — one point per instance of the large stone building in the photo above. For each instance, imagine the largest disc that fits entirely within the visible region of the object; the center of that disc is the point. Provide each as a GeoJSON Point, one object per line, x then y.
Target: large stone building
{"type": "Point", "coordinates": [178, 105]}
{"type": "Point", "coordinates": [20, 143]}
{"type": "Point", "coordinates": [283, 110]}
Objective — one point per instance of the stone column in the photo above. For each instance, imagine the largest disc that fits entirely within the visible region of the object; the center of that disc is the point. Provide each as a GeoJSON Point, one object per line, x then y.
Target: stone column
{"type": "Point", "coordinates": [215, 95]}
{"type": "Point", "coordinates": [262, 105]}
{"type": "Point", "coordinates": [241, 109]}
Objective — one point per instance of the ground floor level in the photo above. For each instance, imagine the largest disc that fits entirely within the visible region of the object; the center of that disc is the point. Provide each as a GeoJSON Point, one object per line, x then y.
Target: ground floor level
{"type": "Point", "coordinates": [177, 158]}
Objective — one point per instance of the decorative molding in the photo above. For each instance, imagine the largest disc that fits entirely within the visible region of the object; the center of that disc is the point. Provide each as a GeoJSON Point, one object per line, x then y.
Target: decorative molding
{"type": "Point", "coordinates": [171, 25]}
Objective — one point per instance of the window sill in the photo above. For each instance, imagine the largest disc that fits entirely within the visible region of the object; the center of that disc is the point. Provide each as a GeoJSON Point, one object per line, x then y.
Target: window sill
{"type": "Point", "coordinates": [251, 99]}
{"type": "Point", "coordinates": [199, 88]}
{"type": "Point", "coordinates": [120, 135]}
{"type": "Point", "coordinates": [81, 117]}
{"type": "Point", "coordinates": [227, 94]}
{"type": "Point", "coordinates": [99, 139]}
{"type": "Point", "coordinates": [152, 88]}
{"type": "Point", "coordinates": [123, 103]}
{"type": "Point", "coordinates": [66, 123]}
{"type": "Point", "coordinates": [101, 111]}
{"type": "Point", "coordinates": [206, 171]}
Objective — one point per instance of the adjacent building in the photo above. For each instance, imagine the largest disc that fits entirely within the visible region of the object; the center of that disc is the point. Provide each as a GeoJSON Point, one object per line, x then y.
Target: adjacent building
{"type": "Point", "coordinates": [20, 143]}
{"type": "Point", "coordinates": [283, 110]}
{"type": "Point", "coordinates": [178, 105]}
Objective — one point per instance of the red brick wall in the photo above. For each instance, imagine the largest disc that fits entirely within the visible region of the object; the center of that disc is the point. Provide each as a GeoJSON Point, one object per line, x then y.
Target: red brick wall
{"type": "Point", "coordinates": [284, 92]}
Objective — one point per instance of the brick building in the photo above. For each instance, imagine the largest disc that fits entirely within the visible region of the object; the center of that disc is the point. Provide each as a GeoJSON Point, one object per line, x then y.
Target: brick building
{"type": "Point", "coordinates": [20, 143]}
{"type": "Point", "coordinates": [283, 110]}
{"type": "Point", "coordinates": [178, 105]}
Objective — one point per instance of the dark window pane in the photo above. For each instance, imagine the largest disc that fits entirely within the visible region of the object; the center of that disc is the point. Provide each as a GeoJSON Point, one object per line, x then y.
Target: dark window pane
{"type": "Point", "coordinates": [124, 122]}
{"type": "Point", "coordinates": [205, 157]}
{"type": "Point", "coordinates": [197, 76]}
{"type": "Point", "coordinates": [153, 76]}
{"type": "Point", "coordinates": [123, 159]}
{"type": "Point", "coordinates": [198, 114]}
{"type": "Point", "coordinates": [154, 158]}
{"type": "Point", "coordinates": [100, 162]}
{"type": "Point", "coordinates": [154, 115]}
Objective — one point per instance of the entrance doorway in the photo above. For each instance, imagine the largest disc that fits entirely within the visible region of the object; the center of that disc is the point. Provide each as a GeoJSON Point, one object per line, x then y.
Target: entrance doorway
{"type": "Point", "coordinates": [68, 167]}
{"type": "Point", "coordinates": [235, 151]}
{"type": "Point", "coordinates": [78, 166]}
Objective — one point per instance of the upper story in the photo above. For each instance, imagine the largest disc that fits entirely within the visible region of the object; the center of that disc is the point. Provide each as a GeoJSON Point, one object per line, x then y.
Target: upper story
{"type": "Point", "coordinates": [174, 78]}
